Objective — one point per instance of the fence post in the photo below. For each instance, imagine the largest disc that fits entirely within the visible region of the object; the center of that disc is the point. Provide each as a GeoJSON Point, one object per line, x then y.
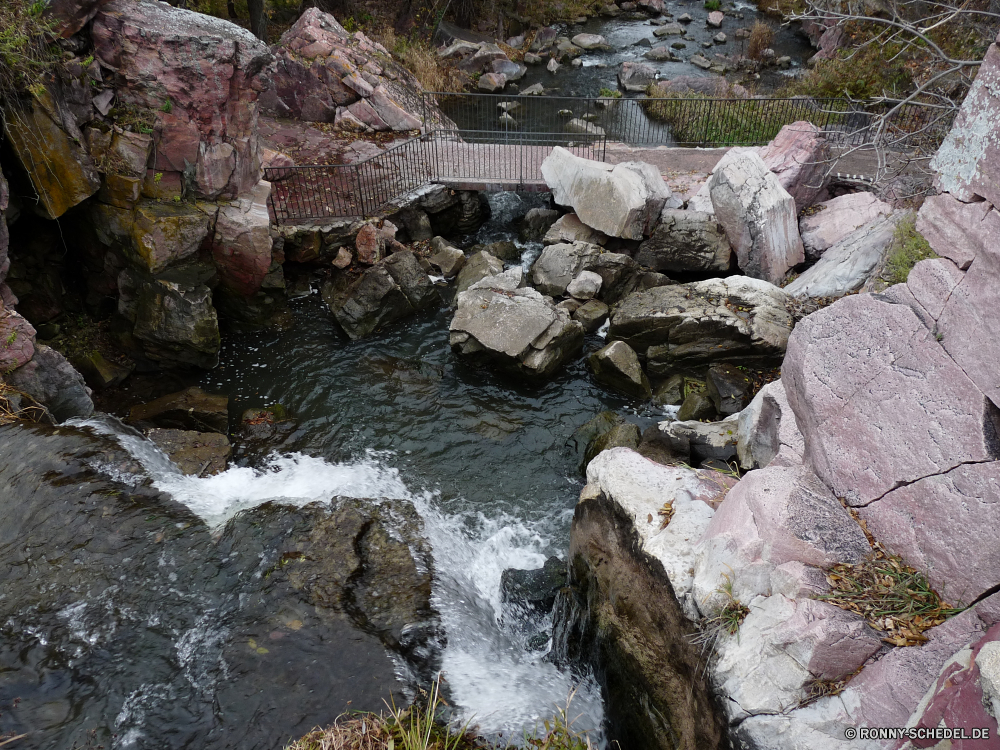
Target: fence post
{"type": "Point", "coordinates": [708, 121]}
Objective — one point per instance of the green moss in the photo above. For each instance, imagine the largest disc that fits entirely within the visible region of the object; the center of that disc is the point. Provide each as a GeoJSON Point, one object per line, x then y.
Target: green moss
{"type": "Point", "coordinates": [908, 248]}
{"type": "Point", "coordinates": [864, 73]}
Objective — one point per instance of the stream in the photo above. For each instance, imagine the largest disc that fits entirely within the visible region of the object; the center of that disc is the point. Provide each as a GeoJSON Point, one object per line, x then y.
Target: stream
{"type": "Point", "coordinates": [169, 638]}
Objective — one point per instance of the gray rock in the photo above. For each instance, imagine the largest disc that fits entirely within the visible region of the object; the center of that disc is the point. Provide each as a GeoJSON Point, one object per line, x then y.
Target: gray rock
{"type": "Point", "coordinates": [534, 589]}
{"type": "Point", "coordinates": [685, 18]}
{"type": "Point", "coordinates": [617, 366]}
{"type": "Point", "coordinates": [636, 76]}
{"type": "Point", "coordinates": [578, 125]}
{"type": "Point", "coordinates": [767, 431]}
{"type": "Point", "coordinates": [533, 90]}
{"type": "Point", "coordinates": [553, 65]}
{"type": "Point", "coordinates": [728, 387]}
{"type": "Point", "coordinates": [537, 222]}
{"type": "Point", "coordinates": [700, 61]}
{"type": "Point", "coordinates": [591, 315]}
{"type": "Point", "coordinates": [832, 220]}
{"type": "Point", "coordinates": [670, 29]}
{"type": "Point", "coordinates": [515, 329]}
{"type": "Point", "coordinates": [707, 440]}
{"type": "Point", "coordinates": [569, 228]}
{"type": "Point", "coordinates": [491, 83]}
{"type": "Point", "coordinates": [622, 200]}
{"type": "Point", "coordinates": [758, 215]}
{"type": "Point", "coordinates": [696, 406]}
{"type": "Point", "coordinates": [530, 58]}
{"type": "Point", "coordinates": [510, 70]}
{"type": "Point", "coordinates": [848, 265]}
{"type": "Point", "coordinates": [447, 259]}
{"type": "Point", "coordinates": [799, 157]}
{"type": "Point", "coordinates": [620, 276]}
{"type": "Point", "coordinates": [735, 319]}
{"type": "Point", "coordinates": [585, 286]}
{"type": "Point", "coordinates": [590, 41]}
{"type": "Point", "coordinates": [558, 265]}
{"type": "Point", "coordinates": [458, 49]}
{"type": "Point", "coordinates": [686, 241]}
{"type": "Point", "coordinates": [660, 54]}
{"type": "Point", "coordinates": [670, 392]}
{"type": "Point", "coordinates": [51, 381]}
{"type": "Point", "coordinates": [477, 267]}
{"type": "Point", "coordinates": [391, 290]}
{"type": "Point", "coordinates": [720, 38]}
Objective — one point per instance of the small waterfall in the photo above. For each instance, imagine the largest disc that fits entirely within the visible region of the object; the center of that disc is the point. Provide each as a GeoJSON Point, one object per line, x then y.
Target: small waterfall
{"type": "Point", "coordinates": [495, 680]}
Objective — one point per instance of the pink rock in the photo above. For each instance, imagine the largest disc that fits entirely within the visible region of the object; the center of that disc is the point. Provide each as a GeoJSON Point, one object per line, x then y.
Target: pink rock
{"type": "Point", "coordinates": [390, 112]}
{"type": "Point", "coordinates": [17, 341]}
{"type": "Point", "coordinates": [275, 159]}
{"type": "Point", "coordinates": [794, 515]}
{"type": "Point", "coordinates": [968, 161]}
{"type": "Point", "coordinates": [363, 112]}
{"type": "Point", "coordinates": [134, 149]}
{"type": "Point", "coordinates": [958, 231]}
{"type": "Point", "coordinates": [878, 401]}
{"type": "Point", "coordinates": [715, 19]}
{"type": "Point", "coordinates": [214, 168]}
{"type": "Point", "coordinates": [492, 82]}
{"type": "Point", "coordinates": [359, 84]}
{"type": "Point", "coordinates": [70, 16]}
{"type": "Point", "coordinates": [4, 233]}
{"type": "Point", "coordinates": [198, 74]}
{"type": "Point", "coordinates": [345, 120]}
{"type": "Point", "coordinates": [936, 522]}
{"type": "Point", "coordinates": [829, 42]}
{"type": "Point", "coordinates": [368, 244]}
{"type": "Point", "coordinates": [931, 283]}
{"type": "Point", "coordinates": [887, 692]}
{"type": "Point", "coordinates": [837, 218]}
{"type": "Point", "coordinates": [838, 641]}
{"type": "Point", "coordinates": [343, 259]}
{"type": "Point", "coordinates": [957, 699]}
{"type": "Point", "coordinates": [241, 246]}
{"type": "Point", "coordinates": [798, 156]}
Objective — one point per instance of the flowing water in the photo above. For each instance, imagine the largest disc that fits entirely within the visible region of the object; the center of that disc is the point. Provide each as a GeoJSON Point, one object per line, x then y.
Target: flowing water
{"type": "Point", "coordinates": [151, 641]}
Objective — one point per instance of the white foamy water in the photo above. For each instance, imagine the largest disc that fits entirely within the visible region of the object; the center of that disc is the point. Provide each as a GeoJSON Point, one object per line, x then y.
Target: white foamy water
{"type": "Point", "coordinates": [498, 683]}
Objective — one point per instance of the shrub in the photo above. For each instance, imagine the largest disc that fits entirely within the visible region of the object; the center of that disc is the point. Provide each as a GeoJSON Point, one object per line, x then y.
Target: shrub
{"type": "Point", "coordinates": [421, 59]}
{"type": "Point", "coordinates": [606, 93]}
{"type": "Point", "coordinates": [711, 5]}
{"type": "Point", "coordinates": [761, 38]}
{"type": "Point", "coordinates": [27, 49]}
{"type": "Point", "coordinates": [861, 73]}
{"type": "Point", "coordinates": [907, 249]}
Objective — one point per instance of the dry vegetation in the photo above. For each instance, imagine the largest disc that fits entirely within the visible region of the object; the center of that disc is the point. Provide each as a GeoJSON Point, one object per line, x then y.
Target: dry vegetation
{"type": "Point", "coordinates": [761, 38]}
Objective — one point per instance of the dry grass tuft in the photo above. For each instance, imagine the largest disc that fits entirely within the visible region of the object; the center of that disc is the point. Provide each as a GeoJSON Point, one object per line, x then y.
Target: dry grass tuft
{"type": "Point", "coordinates": [421, 59]}
{"type": "Point", "coordinates": [17, 406]}
{"type": "Point", "coordinates": [890, 595]}
{"type": "Point", "coordinates": [761, 38]}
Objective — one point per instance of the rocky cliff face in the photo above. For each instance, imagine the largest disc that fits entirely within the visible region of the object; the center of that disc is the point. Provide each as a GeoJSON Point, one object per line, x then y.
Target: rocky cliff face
{"type": "Point", "coordinates": [879, 439]}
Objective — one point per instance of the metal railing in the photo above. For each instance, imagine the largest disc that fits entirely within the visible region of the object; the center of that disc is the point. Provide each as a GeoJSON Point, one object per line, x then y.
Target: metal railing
{"type": "Point", "coordinates": [304, 193]}
{"type": "Point", "coordinates": [502, 140]}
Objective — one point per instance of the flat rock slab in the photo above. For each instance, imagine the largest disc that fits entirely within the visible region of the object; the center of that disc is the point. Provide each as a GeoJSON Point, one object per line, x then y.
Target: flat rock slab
{"type": "Point", "coordinates": [958, 231]}
{"type": "Point", "coordinates": [834, 219]}
{"type": "Point", "coordinates": [196, 453]}
{"type": "Point", "coordinates": [190, 409]}
{"type": "Point", "coordinates": [850, 263]}
{"type": "Point", "coordinates": [879, 402]}
{"type": "Point", "coordinates": [716, 320]}
{"type": "Point", "coordinates": [942, 526]}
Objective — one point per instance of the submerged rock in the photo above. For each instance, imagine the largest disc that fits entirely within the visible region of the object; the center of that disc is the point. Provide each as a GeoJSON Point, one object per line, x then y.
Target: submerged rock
{"type": "Point", "coordinates": [617, 366]}
{"type": "Point", "coordinates": [197, 453]}
{"type": "Point", "coordinates": [190, 409]}
{"type": "Point", "coordinates": [391, 290]}
{"type": "Point", "coordinates": [534, 589]}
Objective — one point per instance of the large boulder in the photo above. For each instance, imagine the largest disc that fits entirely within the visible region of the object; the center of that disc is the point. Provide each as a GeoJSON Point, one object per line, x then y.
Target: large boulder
{"type": "Point", "coordinates": [968, 162]}
{"type": "Point", "coordinates": [391, 290]}
{"type": "Point", "coordinates": [622, 560]}
{"type": "Point", "coordinates": [241, 245]}
{"type": "Point", "coordinates": [637, 76]}
{"type": "Point", "coordinates": [558, 265]}
{"type": "Point", "coordinates": [499, 321]}
{"type": "Point", "coordinates": [51, 380]}
{"type": "Point", "coordinates": [686, 241]}
{"type": "Point", "coordinates": [161, 234]}
{"type": "Point", "coordinates": [50, 147]}
{"type": "Point", "coordinates": [617, 366]}
{"type": "Point", "coordinates": [325, 74]}
{"type": "Point", "coordinates": [621, 200]}
{"type": "Point", "coordinates": [476, 268]}
{"type": "Point", "coordinates": [758, 215]}
{"type": "Point", "coordinates": [832, 220]}
{"type": "Point", "coordinates": [864, 369]}
{"type": "Point", "coordinates": [173, 319]}
{"type": "Point", "coordinates": [956, 230]}
{"type": "Point", "coordinates": [569, 228]}
{"type": "Point", "coordinates": [799, 156]}
{"type": "Point", "coordinates": [735, 319]}
{"type": "Point", "coordinates": [850, 263]}
{"type": "Point", "coordinates": [206, 113]}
